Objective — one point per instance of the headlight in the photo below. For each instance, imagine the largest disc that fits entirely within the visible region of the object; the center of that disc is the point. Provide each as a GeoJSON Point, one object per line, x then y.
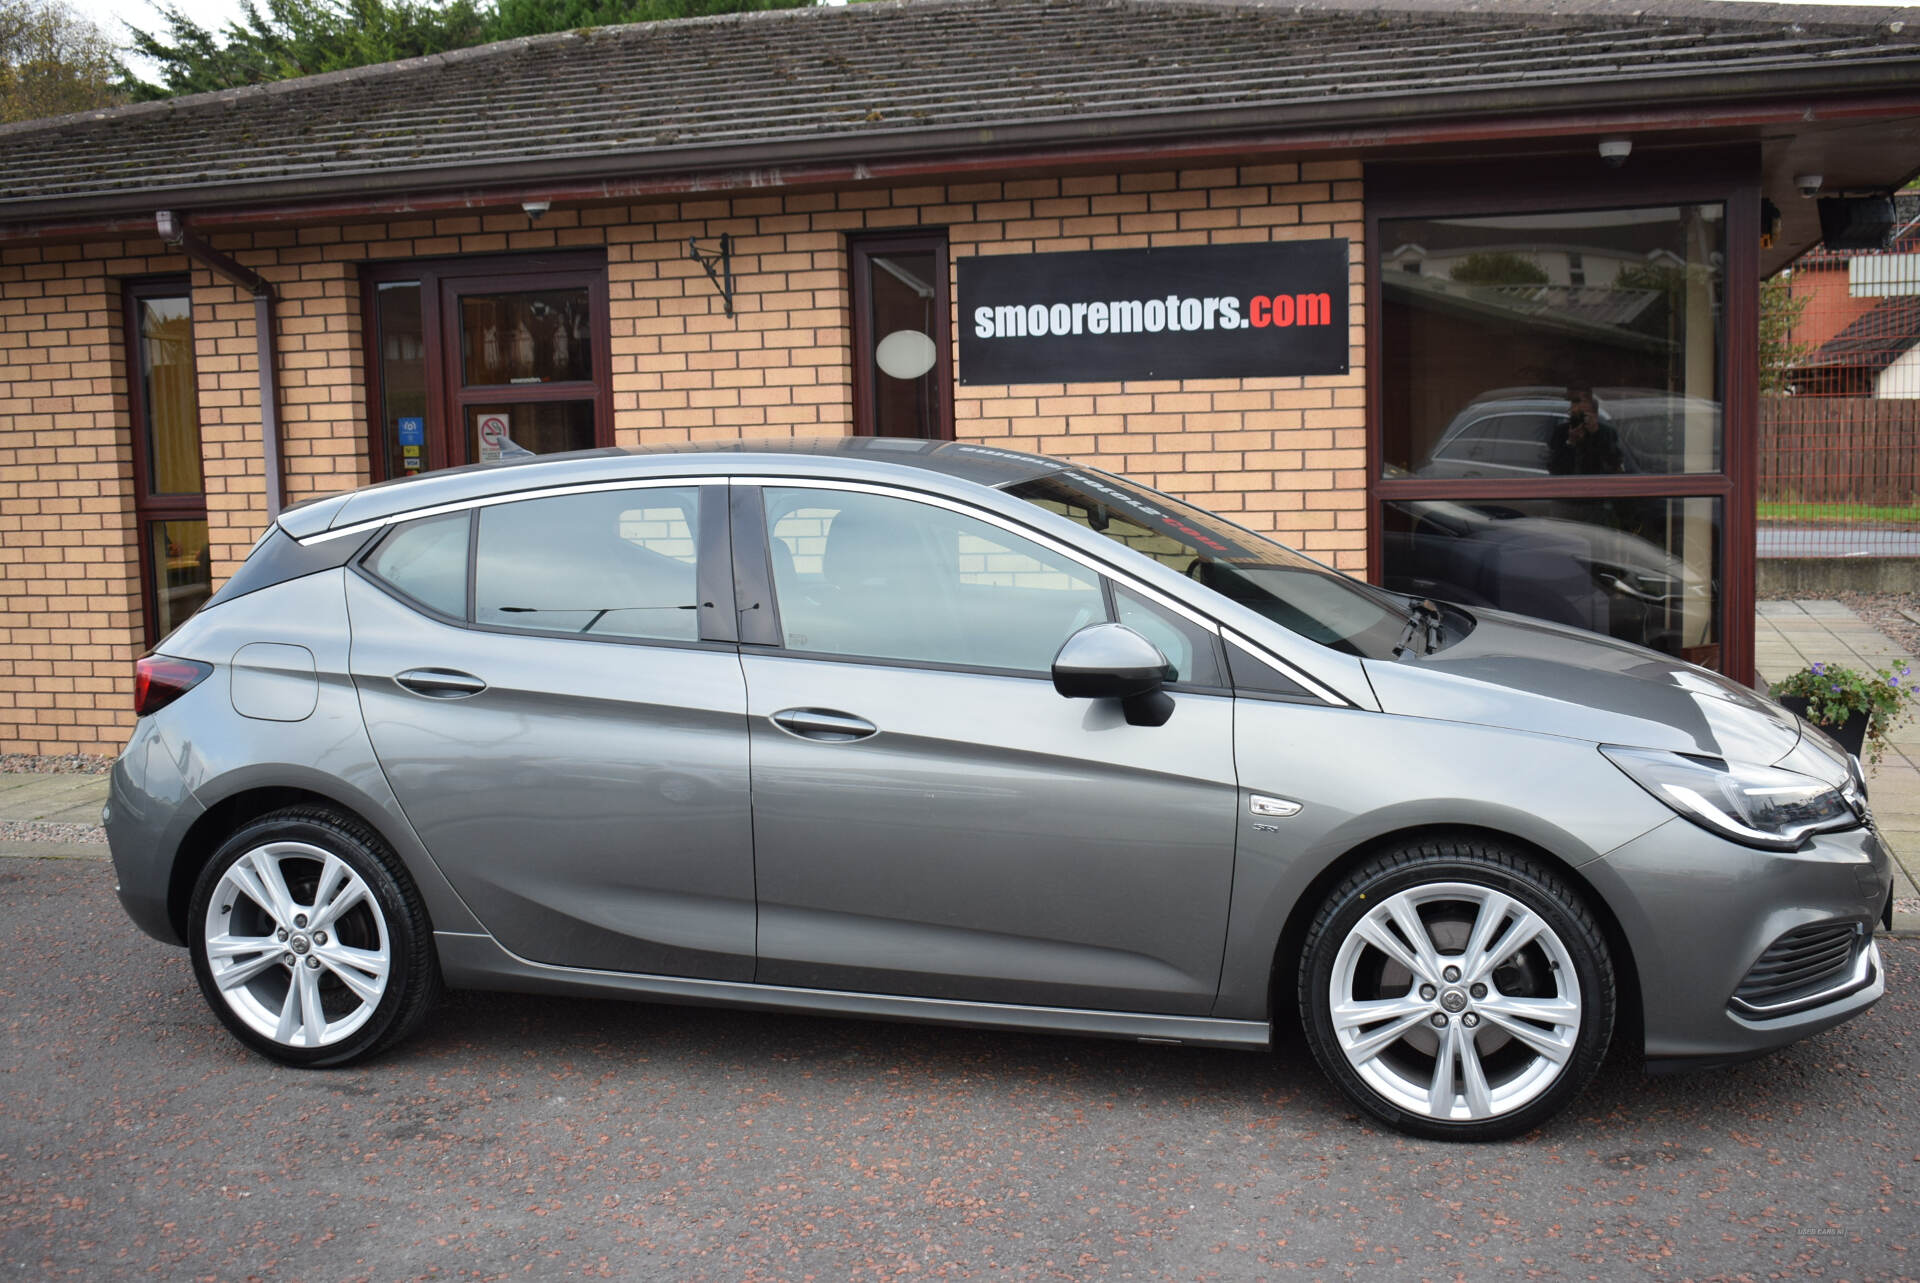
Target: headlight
{"type": "Point", "coordinates": [1758, 805]}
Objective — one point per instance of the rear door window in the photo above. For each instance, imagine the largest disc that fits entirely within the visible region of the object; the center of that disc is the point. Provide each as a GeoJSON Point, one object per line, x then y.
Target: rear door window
{"type": "Point", "coordinates": [613, 564]}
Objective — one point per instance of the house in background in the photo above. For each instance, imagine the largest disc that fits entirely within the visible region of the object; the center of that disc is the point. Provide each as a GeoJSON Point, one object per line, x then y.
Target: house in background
{"type": "Point", "coordinates": [893, 219]}
{"type": "Point", "coordinates": [1859, 318]}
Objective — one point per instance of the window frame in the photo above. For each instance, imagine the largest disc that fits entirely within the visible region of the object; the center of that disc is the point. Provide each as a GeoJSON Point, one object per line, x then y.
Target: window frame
{"type": "Point", "coordinates": [1417, 190]}
{"type": "Point", "coordinates": [151, 509]}
{"type": "Point", "coordinates": [442, 282]}
{"type": "Point", "coordinates": [860, 252]}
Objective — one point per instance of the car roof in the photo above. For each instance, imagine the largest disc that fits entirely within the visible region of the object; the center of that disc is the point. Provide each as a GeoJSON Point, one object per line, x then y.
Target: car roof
{"type": "Point", "coordinates": [847, 456]}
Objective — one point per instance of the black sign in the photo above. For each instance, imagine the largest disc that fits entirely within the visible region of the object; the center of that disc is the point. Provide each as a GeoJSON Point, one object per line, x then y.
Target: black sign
{"type": "Point", "coordinates": [1191, 312]}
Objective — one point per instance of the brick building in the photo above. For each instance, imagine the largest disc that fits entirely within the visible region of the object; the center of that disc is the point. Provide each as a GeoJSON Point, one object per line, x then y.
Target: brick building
{"type": "Point", "coordinates": [709, 229]}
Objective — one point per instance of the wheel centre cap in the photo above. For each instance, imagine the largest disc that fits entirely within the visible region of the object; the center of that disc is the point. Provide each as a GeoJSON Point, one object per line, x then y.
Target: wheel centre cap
{"type": "Point", "coordinates": [299, 944]}
{"type": "Point", "coordinates": [1454, 1000]}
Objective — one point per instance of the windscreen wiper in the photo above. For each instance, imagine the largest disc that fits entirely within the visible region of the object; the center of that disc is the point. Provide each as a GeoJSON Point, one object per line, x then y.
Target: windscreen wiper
{"type": "Point", "coordinates": [1423, 617]}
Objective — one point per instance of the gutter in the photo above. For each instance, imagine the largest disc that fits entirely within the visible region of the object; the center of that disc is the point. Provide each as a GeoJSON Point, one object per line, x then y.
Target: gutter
{"type": "Point", "coordinates": [173, 230]}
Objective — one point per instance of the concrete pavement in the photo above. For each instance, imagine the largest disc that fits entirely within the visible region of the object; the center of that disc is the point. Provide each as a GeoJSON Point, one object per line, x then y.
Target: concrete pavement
{"type": "Point", "coordinates": [38, 812]}
{"type": "Point", "coordinates": [1791, 635]}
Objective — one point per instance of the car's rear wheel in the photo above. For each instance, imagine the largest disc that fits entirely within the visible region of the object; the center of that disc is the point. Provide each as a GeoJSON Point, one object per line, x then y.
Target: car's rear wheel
{"type": "Point", "coordinates": [1457, 990]}
{"type": "Point", "coordinates": [309, 940]}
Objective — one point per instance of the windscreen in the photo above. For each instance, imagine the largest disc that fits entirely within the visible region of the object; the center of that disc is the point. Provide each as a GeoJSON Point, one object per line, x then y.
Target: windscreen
{"type": "Point", "coordinates": [1293, 591]}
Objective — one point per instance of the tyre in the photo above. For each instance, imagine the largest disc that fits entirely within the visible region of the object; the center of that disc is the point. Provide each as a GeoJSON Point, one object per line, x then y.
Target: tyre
{"type": "Point", "coordinates": [1457, 990]}
{"type": "Point", "coordinates": [310, 941]}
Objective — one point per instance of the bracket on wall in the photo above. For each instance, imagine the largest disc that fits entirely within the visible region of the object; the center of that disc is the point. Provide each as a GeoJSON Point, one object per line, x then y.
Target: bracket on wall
{"type": "Point", "coordinates": [721, 275]}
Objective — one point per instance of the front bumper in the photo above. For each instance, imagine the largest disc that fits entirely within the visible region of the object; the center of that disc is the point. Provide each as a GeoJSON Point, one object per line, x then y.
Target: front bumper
{"type": "Point", "coordinates": [1701, 913]}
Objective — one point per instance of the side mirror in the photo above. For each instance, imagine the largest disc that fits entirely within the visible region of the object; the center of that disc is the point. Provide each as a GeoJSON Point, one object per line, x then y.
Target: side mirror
{"type": "Point", "coordinates": [1111, 661]}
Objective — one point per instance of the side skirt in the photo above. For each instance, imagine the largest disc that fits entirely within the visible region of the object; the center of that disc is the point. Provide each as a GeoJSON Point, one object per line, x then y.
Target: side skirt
{"type": "Point", "coordinates": [480, 962]}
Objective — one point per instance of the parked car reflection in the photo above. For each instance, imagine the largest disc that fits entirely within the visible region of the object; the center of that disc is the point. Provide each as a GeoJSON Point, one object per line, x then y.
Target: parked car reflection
{"type": "Point", "coordinates": [1512, 432]}
{"type": "Point", "coordinates": [1586, 572]}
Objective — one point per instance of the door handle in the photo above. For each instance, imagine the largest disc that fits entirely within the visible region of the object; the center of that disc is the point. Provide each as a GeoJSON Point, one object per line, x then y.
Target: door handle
{"type": "Point", "coordinates": [440, 683]}
{"type": "Point", "coordinates": [824, 724]}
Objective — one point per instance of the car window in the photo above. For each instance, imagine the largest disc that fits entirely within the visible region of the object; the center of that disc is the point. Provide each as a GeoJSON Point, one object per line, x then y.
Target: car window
{"type": "Point", "coordinates": [886, 578]}
{"type": "Point", "coordinates": [427, 561]}
{"type": "Point", "coordinates": [1185, 644]}
{"type": "Point", "coordinates": [618, 563]}
{"type": "Point", "coordinates": [1292, 590]}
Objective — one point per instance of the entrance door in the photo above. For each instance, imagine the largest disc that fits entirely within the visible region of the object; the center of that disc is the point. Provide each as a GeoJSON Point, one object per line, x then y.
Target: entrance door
{"type": "Point", "coordinates": [481, 360]}
{"type": "Point", "coordinates": [930, 816]}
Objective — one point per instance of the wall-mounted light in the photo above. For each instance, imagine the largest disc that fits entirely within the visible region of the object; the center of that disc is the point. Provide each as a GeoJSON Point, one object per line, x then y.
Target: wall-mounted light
{"type": "Point", "coordinates": [535, 208]}
{"type": "Point", "coordinates": [168, 224]}
{"type": "Point", "coordinates": [1616, 150]}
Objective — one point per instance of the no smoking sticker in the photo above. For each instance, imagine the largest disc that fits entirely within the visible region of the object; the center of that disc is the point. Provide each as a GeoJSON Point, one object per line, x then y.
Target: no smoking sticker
{"type": "Point", "coordinates": [493, 437]}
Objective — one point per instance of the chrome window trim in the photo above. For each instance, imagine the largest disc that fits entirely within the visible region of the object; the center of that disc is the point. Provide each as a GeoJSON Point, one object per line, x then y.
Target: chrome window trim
{"type": "Point", "coordinates": [1098, 563]}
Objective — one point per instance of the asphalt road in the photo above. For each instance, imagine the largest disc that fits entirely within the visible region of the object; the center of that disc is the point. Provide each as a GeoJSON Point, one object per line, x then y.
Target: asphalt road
{"type": "Point", "coordinates": [522, 1137]}
{"type": "Point", "coordinates": [1836, 541]}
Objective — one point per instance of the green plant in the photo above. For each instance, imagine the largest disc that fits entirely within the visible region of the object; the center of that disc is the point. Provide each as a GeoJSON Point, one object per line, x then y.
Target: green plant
{"type": "Point", "coordinates": [1834, 694]}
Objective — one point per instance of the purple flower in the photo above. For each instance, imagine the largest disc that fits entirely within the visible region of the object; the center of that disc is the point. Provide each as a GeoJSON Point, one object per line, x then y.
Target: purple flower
{"type": "Point", "coordinates": [1836, 690]}
{"type": "Point", "coordinates": [1893, 681]}
{"type": "Point", "coordinates": [1819, 669]}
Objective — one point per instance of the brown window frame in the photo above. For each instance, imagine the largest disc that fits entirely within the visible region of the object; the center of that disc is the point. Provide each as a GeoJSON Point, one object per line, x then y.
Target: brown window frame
{"type": "Point", "coordinates": [1572, 184]}
{"type": "Point", "coordinates": [860, 251]}
{"type": "Point", "coordinates": [442, 281]}
{"type": "Point", "coordinates": [149, 508]}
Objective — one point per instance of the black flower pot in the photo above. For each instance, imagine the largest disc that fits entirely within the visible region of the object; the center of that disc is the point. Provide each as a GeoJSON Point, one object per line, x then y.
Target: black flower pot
{"type": "Point", "coordinates": [1851, 734]}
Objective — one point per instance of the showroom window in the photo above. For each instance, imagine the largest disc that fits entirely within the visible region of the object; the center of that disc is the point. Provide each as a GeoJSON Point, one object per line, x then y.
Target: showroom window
{"type": "Point", "coordinates": [479, 360]}
{"type": "Point", "coordinates": [1551, 411]}
{"type": "Point", "coordinates": [903, 362]}
{"type": "Point", "coordinates": [170, 502]}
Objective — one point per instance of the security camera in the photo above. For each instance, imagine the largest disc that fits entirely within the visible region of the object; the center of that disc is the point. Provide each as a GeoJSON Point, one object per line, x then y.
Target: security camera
{"type": "Point", "coordinates": [1616, 150]}
{"type": "Point", "coordinates": [535, 208]}
{"type": "Point", "coordinates": [1809, 185]}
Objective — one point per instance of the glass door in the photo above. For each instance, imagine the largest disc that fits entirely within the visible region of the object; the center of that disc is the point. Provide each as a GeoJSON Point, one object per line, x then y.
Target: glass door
{"type": "Point", "coordinates": [484, 360]}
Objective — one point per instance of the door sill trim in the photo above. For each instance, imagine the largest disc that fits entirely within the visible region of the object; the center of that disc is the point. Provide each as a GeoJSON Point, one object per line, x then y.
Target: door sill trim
{"type": "Point", "coordinates": [481, 962]}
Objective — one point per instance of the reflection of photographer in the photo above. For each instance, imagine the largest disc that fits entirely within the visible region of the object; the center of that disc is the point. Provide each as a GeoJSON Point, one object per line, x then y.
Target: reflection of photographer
{"type": "Point", "coordinates": [1584, 444]}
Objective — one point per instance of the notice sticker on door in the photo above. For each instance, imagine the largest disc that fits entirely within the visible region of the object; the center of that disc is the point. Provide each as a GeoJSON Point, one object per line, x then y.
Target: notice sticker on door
{"type": "Point", "coordinates": [493, 437]}
{"type": "Point", "coordinates": [412, 431]}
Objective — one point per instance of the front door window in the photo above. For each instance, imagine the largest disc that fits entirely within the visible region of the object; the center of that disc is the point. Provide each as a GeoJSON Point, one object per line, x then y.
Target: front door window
{"type": "Point", "coordinates": [476, 361]}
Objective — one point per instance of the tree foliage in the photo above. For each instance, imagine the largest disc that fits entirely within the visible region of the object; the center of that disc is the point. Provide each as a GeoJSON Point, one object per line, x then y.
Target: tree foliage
{"type": "Point", "coordinates": [288, 38]}
{"type": "Point", "coordinates": [1780, 310]}
{"type": "Point", "coordinates": [1498, 267]}
{"type": "Point", "coordinates": [52, 61]}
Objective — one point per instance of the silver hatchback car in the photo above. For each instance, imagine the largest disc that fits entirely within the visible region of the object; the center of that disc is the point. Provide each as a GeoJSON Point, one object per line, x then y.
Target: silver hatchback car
{"type": "Point", "coordinates": [947, 733]}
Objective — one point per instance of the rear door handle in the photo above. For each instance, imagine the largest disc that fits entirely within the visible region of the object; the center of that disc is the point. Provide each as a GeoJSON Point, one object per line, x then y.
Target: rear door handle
{"type": "Point", "coordinates": [824, 724]}
{"type": "Point", "coordinates": [440, 683]}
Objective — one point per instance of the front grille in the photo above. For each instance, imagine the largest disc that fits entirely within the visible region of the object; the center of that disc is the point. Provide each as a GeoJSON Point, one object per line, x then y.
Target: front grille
{"type": "Point", "coordinates": [1800, 964]}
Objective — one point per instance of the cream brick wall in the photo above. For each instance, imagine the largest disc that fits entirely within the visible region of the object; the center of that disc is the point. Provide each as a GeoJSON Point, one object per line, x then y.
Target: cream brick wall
{"type": "Point", "coordinates": [1283, 455]}
{"type": "Point", "coordinates": [70, 616]}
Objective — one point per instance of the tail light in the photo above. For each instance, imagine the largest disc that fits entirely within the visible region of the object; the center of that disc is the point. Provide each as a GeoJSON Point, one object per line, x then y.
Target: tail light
{"type": "Point", "coordinates": [158, 680]}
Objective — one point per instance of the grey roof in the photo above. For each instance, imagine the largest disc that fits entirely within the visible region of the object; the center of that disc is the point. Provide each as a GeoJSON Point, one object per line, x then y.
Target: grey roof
{"type": "Point", "coordinates": [919, 77]}
{"type": "Point", "coordinates": [1872, 341]}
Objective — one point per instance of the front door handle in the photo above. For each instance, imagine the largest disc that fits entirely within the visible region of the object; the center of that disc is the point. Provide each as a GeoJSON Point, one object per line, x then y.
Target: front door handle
{"type": "Point", "coordinates": [440, 683]}
{"type": "Point", "coordinates": [824, 724]}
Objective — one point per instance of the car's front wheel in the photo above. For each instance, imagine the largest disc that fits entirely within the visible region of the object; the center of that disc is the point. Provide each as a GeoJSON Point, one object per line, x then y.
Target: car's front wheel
{"type": "Point", "coordinates": [1457, 990]}
{"type": "Point", "coordinates": [309, 940]}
